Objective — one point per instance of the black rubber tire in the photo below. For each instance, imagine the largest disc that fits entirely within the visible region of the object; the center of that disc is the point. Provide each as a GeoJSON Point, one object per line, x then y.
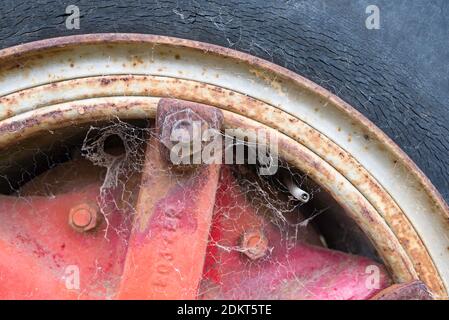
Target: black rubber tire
{"type": "Point", "coordinates": [397, 76]}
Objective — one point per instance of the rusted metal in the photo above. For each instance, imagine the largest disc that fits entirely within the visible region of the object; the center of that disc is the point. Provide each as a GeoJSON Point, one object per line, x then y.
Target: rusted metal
{"type": "Point", "coordinates": [402, 195]}
{"type": "Point", "coordinates": [190, 120]}
{"type": "Point", "coordinates": [154, 260]}
{"type": "Point", "coordinates": [344, 192]}
{"type": "Point", "coordinates": [356, 206]}
{"type": "Point", "coordinates": [229, 100]}
{"type": "Point", "coordinates": [415, 290]}
{"type": "Point", "coordinates": [83, 217]}
{"type": "Point", "coordinates": [168, 243]}
{"type": "Point", "coordinates": [254, 244]}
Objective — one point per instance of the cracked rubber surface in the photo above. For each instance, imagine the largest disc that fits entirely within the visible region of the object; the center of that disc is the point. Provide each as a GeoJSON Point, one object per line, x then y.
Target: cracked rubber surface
{"type": "Point", "coordinates": [397, 76]}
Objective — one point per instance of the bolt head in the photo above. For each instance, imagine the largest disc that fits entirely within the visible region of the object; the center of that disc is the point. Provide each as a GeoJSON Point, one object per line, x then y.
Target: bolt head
{"type": "Point", "coordinates": [183, 127]}
{"type": "Point", "coordinates": [254, 244]}
{"type": "Point", "coordinates": [83, 217]}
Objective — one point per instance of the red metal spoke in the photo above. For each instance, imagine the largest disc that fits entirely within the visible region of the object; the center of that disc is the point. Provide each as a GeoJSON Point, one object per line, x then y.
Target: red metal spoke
{"type": "Point", "coordinates": [167, 247]}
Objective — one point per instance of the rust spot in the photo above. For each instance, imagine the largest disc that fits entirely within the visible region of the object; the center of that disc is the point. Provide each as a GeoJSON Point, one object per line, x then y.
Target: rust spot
{"type": "Point", "coordinates": [105, 81]}
{"type": "Point", "coordinates": [9, 113]}
{"type": "Point", "coordinates": [138, 60]}
{"type": "Point", "coordinates": [367, 214]}
{"type": "Point", "coordinates": [18, 125]}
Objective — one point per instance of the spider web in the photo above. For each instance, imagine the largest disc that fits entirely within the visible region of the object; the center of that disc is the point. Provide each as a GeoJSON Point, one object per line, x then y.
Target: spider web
{"type": "Point", "coordinates": [114, 153]}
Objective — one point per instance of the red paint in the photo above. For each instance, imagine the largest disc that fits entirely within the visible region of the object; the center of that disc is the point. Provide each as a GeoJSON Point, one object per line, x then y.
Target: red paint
{"type": "Point", "coordinates": [37, 245]}
{"type": "Point", "coordinates": [168, 249]}
{"type": "Point", "coordinates": [290, 271]}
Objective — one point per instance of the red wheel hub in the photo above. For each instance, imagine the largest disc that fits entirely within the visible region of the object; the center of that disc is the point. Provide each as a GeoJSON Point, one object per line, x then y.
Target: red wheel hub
{"type": "Point", "coordinates": [193, 234]}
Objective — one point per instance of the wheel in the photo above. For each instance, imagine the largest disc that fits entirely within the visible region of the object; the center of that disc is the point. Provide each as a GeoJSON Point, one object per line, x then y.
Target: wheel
{"type": "Point", "coordinates": [367, 180]}
{"type": "Point", "coordinates": [387, 209]}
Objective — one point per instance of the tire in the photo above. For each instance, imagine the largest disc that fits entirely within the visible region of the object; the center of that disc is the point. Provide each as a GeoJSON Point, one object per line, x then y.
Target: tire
{"type": "Point", "coordinates": [396, 76]}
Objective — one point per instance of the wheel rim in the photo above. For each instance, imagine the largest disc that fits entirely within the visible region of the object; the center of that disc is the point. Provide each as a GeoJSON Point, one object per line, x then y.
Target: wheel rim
{"type": "Point", "coordinates": [64, 74]}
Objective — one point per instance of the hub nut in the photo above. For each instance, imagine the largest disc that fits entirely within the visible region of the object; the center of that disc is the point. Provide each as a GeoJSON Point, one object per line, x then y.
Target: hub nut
{"type": "Point", "coordinates": [83, 217]}
{"type": "Point", "coordinates": [254, 244]}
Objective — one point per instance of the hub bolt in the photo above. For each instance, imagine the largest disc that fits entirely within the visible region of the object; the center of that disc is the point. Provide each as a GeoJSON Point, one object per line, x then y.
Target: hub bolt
{"type": "Point", "coordinates": [83, 217]}
{"type": "Point", "coordinates": [254, 244]}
